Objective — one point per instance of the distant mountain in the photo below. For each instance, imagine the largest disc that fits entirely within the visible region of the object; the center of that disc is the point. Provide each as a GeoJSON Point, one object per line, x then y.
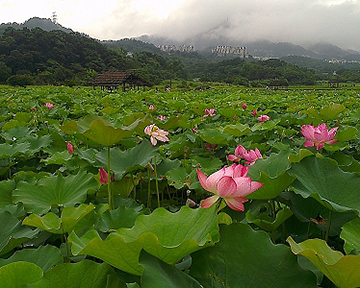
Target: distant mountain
{"type": "Point", "coordinates": [35, 22]}
{"type": "Point", "coordinates": [216, 36]}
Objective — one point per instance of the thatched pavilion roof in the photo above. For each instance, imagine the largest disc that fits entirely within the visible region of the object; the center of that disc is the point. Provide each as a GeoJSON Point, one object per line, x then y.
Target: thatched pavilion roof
{"type": "Point", "coordinates": [117, 78]}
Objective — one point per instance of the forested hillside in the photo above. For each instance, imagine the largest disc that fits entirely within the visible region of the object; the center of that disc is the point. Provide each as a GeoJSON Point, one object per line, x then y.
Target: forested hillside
{"type": "Point", "coordinates": [35, 56]}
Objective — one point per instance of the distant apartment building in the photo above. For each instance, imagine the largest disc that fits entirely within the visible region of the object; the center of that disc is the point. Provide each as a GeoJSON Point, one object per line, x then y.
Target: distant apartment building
{"type": "Point", "coordinates": [221, 51]}
{"type": "Point", "coordinates": [181, 48]}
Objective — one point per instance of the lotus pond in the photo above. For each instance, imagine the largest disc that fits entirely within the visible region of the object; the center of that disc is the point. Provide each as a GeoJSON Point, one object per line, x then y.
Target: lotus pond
{"type": "Point", "coordinates": [210, 188]}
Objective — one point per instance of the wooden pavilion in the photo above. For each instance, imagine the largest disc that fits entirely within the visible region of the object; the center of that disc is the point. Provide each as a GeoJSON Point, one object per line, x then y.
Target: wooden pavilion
{"type": "Point", "coordinates": [113, 79]}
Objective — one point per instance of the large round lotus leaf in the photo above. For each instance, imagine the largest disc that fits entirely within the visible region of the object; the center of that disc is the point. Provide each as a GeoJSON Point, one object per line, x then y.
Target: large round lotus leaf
{"type": "Point", "coordinates": [19, 274]}
{"type": "Point", "coordinates": [162, 275]}
{"type": "Point", "coordinates": [70, 217]}
{"type": "Point", "coordinates": [6, 188]}
{"type": "Point", "coordinates": [82, 274]}
{"type": "Point", "coordinates": [342, 270]}
{"type": "Point", "coordinates": [351, 235]}
{"type": "Point", "coordinates": [167, 236]}
{"type": "Point", "coordinates": [45, 257]}
{"type": "Point", "coordinates": [12, 233]}
{"type": "Point", "coordinates": [247, 258]}
{"type": "Point", "coordinates": [129, 160]}
{"type": "Point", "coordinates": [323, 180]}
{"type": "Point", "coordinates": [54, 191]}
{"type": "Point", "coordinates": [104, 134]}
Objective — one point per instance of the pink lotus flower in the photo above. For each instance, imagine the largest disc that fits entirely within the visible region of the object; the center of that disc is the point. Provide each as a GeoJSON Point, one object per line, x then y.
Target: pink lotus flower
{"type": "Point", "coordinates": [251, 156]}
{"type": "Point", "coordinates": [156, 134]}
{"type": "Point", "coordinates": [151, 107]}
{"type": "Point", "coordinates": [244, 106]}
{"type": "Point", "coordinates": [253, 113]}
{"type": "Point", "coordinates": [239, 152]}
{"type": "Point", "coordinates": [161, 117]}
{"type": "Point", "coordinates": [194, 130]}
{"type": "Point", "coordinates": [263, 118]}
{"type": "Point", "coordinates": [230, 183]}
{"type": "Point", "coordinates": [318, 136]}
{"type": "Point", "coordinates": [209, 112]}
{"type": "Point", "coordinates": [103, 178]}
{"type": "Point", "coordinates": [32, 109]}
{"type": "Point", "coordinates": [70, 148]}
{"type": "Point", "coordinates": [49, 105]}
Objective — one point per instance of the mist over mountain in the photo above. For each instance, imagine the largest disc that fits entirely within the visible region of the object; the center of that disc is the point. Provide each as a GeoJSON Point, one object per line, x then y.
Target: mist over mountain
{"type": "Point", "coordinates": [219, 35]}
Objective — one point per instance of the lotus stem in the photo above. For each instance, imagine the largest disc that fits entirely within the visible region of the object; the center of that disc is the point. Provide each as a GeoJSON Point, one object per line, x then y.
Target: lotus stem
{"type": "Point", "coordinates": [134, 189]}
{"type": "Point", "coordinates": [149, 190]}
{"type": "Point", "coordinates": [156, 183]}
{"type": "Point", "coordinates": [328, 227]}
{"type": "Point", "coordinates": [110, 196]}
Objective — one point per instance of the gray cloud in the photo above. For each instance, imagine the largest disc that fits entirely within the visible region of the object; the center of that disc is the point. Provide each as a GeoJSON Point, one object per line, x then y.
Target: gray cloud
{"type": "Point", "coordinates": [298, 21]}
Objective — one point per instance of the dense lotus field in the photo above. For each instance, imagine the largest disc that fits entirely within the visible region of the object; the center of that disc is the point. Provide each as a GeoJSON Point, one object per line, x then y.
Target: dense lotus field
{"type": "Point", "coordinates": [216, 187]}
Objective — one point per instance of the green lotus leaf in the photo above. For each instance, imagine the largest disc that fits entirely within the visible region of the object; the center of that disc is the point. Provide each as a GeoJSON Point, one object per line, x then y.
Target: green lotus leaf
{"type": "Point", "coordinates": [167, 165]}
{"type": "Point", "coordinates": [120, 217]}
{"type": "Point", "coordinates": [104, 134]}
{"type": "Point", "coordinates": [273, 166]}
{"type": "Point", "coordinates": [228, 112]}
{"type": "Point", "coordinates": [310, 210]}
{"type": "Point", "coordinates": [12, 233]}
{"type": "Point", "coordinates": [6, 188]}
{"type": "Point", "coordinates": [54, 191]}
{"type": "Point", "coordinates": [7, 150]}
{"type": "Point", "coordinates": [272, 186]}
{"type": "Point", "coordinates": [351, 235]}
{"type": "Point", "coordinates": [214, 136]}
{"type": "Point", "coordinates": [178, 178]}
{"type": "Point", "coordinates": [331, 112]}
{"type": "Point", "coordinates": [323, 180]}
{"type": "Point", "coordinates": [45, 257]}
{"type": "Point", "coordinates": [268, 125]}
{"type": "Point", "coordinates": [130, 160]}
{"type": "Point", "coordinates": [58, 158]}
{"type": "Point", "coordinates": [10, 274]}
{"type": "Point", "coordinates": [281, 217]}
{"type": "Point", "coordinates": [70, 217]}
{"type": "Point", "coordinates": [248, 258]}
{"type": "Point", "coordinates": [237, 129]}
{"type": "Point", "coordinates": [341, 270]}
{"type": "Point", "coordinates": [346, 134]}
{"type": "Point", "coordinates": [85, 273]}
{"type": "Point", "coordinates": [160, 274]}
{"type": "Point", "coordinates": [17, 132]}
{"type": "Point", "coordinates": [165, 235]}
{"type": "Point", "coordinates": [302, 154]}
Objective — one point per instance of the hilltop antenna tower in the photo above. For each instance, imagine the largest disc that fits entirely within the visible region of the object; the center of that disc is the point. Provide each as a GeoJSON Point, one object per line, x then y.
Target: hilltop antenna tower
{"type": "Point", "coordinates": [54, 17]}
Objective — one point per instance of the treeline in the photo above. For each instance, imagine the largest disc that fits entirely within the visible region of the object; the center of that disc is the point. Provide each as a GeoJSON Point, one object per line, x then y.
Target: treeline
{"type": "Point", "coordinates": [59, 58]}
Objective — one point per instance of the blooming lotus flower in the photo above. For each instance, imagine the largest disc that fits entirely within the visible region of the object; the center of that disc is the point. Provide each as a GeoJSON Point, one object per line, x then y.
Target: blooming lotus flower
{"type": "Point", "coordinates": [161, 117]}
{"type": "Point", "coordinates": [32, 109]}
{"type": "Point", "coordinates": [209, 112]}
{"type": "Point", "coordinates": [253, 113]}
{"type": "Point", "coordinates": [156, 134]}
{"type": "Point", "coordinates": [230, 183]}
{"type": "Point", "coordinates": [70, 148]}
{"type": "Point", "coordinates": [251, 156]}
{"type": "Point", "coordinates": [318, 136]}
{"type": "Point", "coordinates": [263, 118]}
{"type": "Point", "coordinates": [49, 105]}
{"type": "Point", "coordinates": [151, 107]}
{"type": "Point", "coordinates": [244, 106]}
{"type": "Point", "coordinates": [239, 152]}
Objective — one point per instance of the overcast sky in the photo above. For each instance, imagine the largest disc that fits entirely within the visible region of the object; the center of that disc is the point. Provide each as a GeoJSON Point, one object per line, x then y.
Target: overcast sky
{"type": "Point", "coordinates": [298, 21]}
